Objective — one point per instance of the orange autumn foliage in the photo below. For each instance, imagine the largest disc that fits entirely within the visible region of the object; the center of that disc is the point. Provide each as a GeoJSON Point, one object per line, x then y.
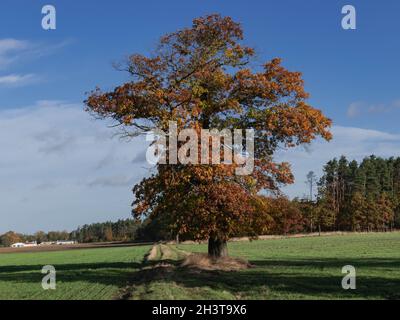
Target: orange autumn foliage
{"type": "Point", "coordinates": [201, 78]}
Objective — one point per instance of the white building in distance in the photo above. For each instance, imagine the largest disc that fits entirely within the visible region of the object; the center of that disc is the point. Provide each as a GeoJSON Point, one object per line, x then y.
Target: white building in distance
{"type": "Point", "coordinates": [24, 245]}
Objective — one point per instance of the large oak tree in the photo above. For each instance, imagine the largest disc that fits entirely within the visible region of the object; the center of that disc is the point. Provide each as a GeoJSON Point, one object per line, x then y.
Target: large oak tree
{"type": "Point", "coordinates": [202, 77]}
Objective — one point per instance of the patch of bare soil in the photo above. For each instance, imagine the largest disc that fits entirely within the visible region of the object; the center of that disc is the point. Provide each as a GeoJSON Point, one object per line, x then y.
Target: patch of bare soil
{"type": "Point", "coordinates": [202, 261]}
{"type": "Point", "coordinates": [161, 252]}
{"type": "Point", "coordinates": [93, 245]}
{"type": "Point", "coordinates": [173, 253]}
{"type": "Point", "coordinates": [153, 253]}
{"type": "Point", "coordinates": [159, 265]}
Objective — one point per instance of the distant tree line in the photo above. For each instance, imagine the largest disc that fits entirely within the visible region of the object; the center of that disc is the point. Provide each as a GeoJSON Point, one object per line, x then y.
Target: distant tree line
{"type": "Point", "coordinates": [350, 196]}
{"type": "Point", "coordinates": [361, 196]}
{"type": "Point", "coordinates": [11, 237]}
{"type": "Point", "coordinates": [122, 230]}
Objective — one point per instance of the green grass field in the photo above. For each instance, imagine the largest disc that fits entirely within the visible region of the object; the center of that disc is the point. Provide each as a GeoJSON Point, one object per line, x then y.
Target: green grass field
{"type": "Point", "coordinates": [291, 268]}
{"type": "Point", "coordinates": [81, 273]}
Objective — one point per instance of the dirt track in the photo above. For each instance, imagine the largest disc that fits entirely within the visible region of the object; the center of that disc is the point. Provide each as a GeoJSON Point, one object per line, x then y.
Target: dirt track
{"type": "Point", "coordinates": [72, 247]}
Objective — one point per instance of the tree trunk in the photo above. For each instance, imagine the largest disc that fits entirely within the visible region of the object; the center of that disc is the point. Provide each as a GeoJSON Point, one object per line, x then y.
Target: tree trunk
{"type": "Point", "coordinates": [217, 248]}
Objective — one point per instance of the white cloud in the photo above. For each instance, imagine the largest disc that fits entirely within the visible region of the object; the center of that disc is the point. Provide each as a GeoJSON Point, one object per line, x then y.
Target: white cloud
{"type": "Point", "coordinates": [354, 109]}
{"type": "Point", "coordinates": [10, 50]}
{"type": "Point", "coordinates": [59, 168]}
{"type": "Point", "coordinates": [13, 50]}
{"type": "Point", "coordinates": [7, 45]}
{"type": "Point", "coordinates": [359, 108]}
{"type": "Point", "coordinates": [17, 80]}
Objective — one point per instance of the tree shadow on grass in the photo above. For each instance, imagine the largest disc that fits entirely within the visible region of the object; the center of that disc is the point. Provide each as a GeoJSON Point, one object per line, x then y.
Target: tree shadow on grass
{"type": "Point", "coordinates": [108, 273]}
{"type": "Point", "coordinates": [300, 279]}
{"type": "Point", "coordinates": [304, 278]}
{"type": "Point", "coordinates": [385, 263]}
{"type": "Point", "coordinates": [72, 267]}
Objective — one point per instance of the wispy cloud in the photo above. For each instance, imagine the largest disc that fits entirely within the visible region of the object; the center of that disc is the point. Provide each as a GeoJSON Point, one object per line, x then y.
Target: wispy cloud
{"type": "Point", "coordinates": [359, 108]}
{"type": "Point", "coordinates": [14, 50]}
{"type": "Point", "coordinates": [7, 45]}
{"type": "Point", "coordinates": [10, 50]}
{"type": "Point", "coordinates": [18, 80]}
{"type": "Point", "coordinates": [60, 168]}
{"type": "Point", "coordinates": [112, 181]}
{"type": "Point", "coordinates": [354, 109]}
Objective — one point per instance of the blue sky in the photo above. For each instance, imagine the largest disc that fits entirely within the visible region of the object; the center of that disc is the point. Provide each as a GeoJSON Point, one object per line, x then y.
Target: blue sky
{"type": "Point", "coordinates": [59, 169]}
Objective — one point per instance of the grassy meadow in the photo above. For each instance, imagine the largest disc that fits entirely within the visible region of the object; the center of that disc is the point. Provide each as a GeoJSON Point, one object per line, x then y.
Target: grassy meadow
{"type": "Point", "coordinates": [81, 274]}
{"type": "Point", "coordinates": [288, 268]}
